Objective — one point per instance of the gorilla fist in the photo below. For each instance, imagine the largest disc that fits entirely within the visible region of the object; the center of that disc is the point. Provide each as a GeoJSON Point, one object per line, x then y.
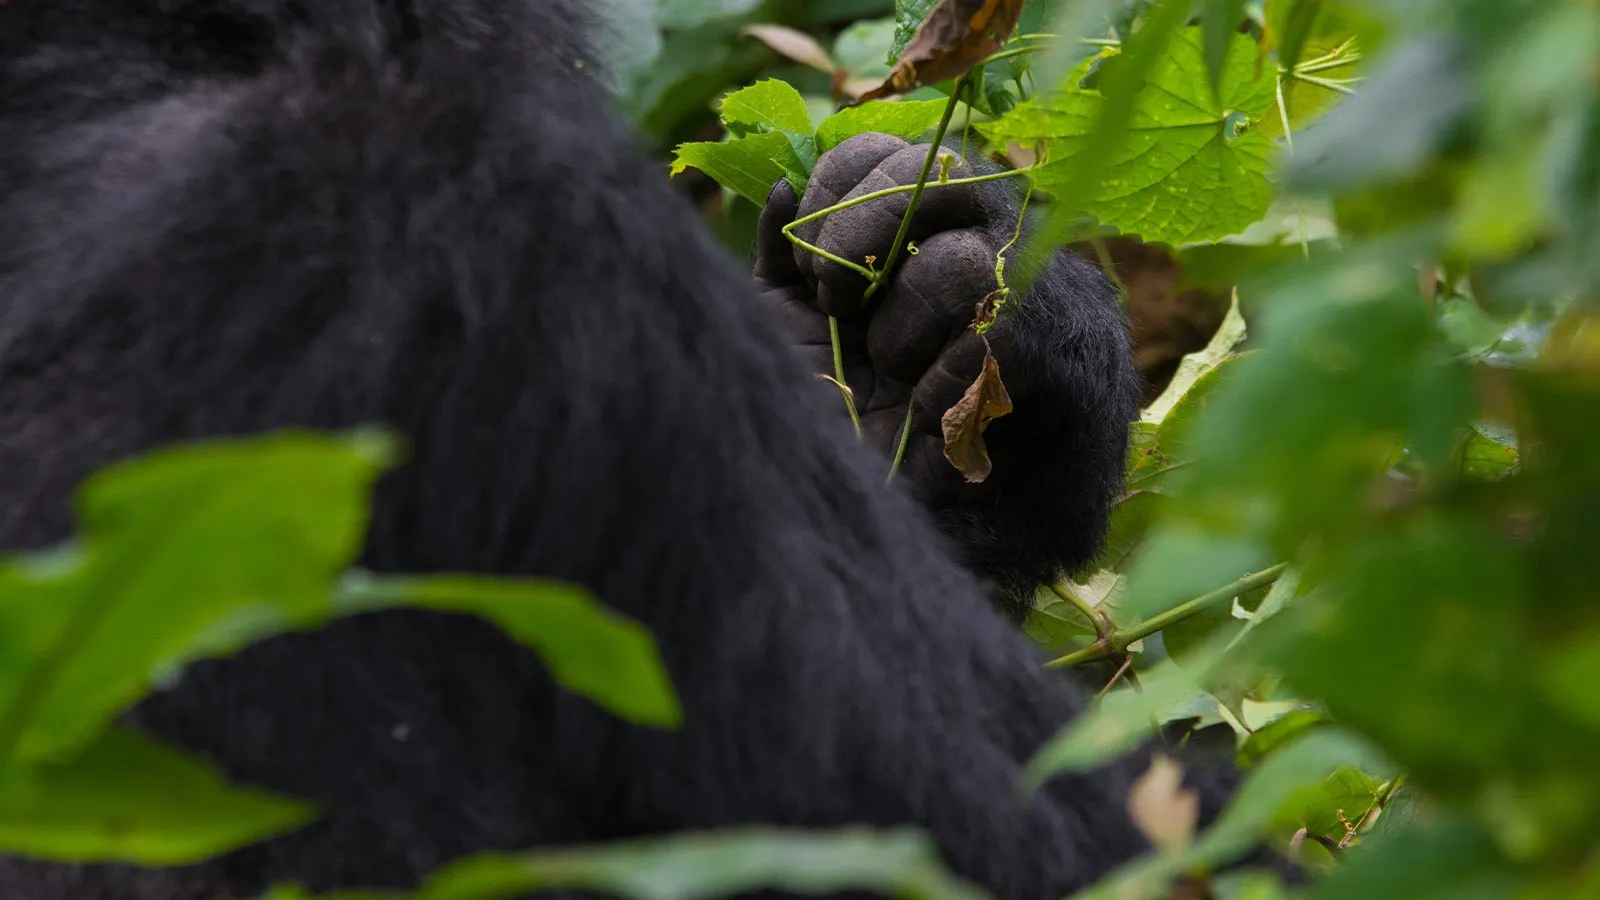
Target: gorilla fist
{"type": "Point", "coordinates": [913, 343]}
{"type": "Point", "coordinates": [1062, 351]}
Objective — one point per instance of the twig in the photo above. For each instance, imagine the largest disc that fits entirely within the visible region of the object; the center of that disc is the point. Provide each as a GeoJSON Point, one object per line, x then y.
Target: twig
{"type": "Point", "coordinates": [1119, 641]}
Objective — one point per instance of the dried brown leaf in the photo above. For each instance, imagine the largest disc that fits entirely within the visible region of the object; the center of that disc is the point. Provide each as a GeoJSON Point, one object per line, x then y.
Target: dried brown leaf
{"type": "Point", "coordinates": [984, 401]}
{"type": "Point", "coordinates": [1162, 808]}
{"type": "Point", "coordinates": [957, 35]}
{"type": "Point", "coordinates": [796, 45]}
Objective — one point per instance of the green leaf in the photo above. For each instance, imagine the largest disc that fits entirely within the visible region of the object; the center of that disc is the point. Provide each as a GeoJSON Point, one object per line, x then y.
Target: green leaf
{"type": "Point", "coordinates": [172, 546]}
{"type": "Point", "coordinates": [1192, 165]}
{"type": "Point", "coordinates": [1306, 763]}
{"type": "Point", "coordinates": [1437, 862]}
{"type": "Point", "coordinates": [126, 798]}
{"type": "Point", "coordinates": [772, 105]}
{"type": "Point", "coordinates": [895, 863]}
{"type": "Point", "coordinates": [1194, 366]}
{"type": "Point", "coordinates": [908, 18]}
{"type": "Point", "coordinates": [863, 48]}
{"type": "Point", "coordinates": [1292, 22]}
{"type": "Point", "coordinates": [1220, 21]}
{"type": "Point", "coordinates": [907, 119]}
{"type": "Point", "coordinates": [680, 14]}
{"type": "Point", "coordinates": [588, 648]}
{"type": "Point", "coordinates": [1122, 720]}
{"type": "Point", "coordinates": [748, 166]}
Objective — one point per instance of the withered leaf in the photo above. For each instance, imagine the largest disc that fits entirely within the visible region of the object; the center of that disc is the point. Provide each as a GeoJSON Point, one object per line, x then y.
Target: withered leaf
{"type": "Point", "coordinates": [963, 424]}
{"type": "Point", "coordinates": [957, 35]}
{"type": "Point", "coordinates": [797, 45]}
{"type": "Point", "coordinates": [1162, 808]}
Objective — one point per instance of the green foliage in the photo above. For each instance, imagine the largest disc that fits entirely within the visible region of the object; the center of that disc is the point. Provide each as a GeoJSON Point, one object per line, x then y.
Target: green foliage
{"type": "Point", "coordinates": [691, 866]}
{"type": "Point", "coordinates": [196, 551]}
{"type": "Point", "coordinates": [1358, 526]}
{"type": "Point", "coordinates": [1192, 165]}
{"type": "Point", "coordinates": [770, 136]}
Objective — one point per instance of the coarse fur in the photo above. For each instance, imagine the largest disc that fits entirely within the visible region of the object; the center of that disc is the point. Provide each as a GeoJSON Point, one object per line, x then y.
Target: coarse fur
{"type": "Point", "coordinates": [224, 217]}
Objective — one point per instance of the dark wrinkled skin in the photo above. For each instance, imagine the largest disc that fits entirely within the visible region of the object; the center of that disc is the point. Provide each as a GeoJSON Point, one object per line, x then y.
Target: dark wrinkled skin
{"type": "Point", "coordinates": [1062, 351]}
{"type": "Point", "coordinates": [223, 217]}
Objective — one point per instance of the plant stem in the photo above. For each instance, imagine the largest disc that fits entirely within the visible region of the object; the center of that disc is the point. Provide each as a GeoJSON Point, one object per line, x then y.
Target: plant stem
{"type": "Point", "coordinates": [838, 372]}
{"type": "Point", "coordinates": [900, 448]}
{"type": "Point", "coordinates": [1119, 642]}
{"type": "Point", "coordinates": [1097, 619]}
{"type": "Point", "coordinates": [916, 194]}
{"type": "Point", "coordinates": [788, 230]}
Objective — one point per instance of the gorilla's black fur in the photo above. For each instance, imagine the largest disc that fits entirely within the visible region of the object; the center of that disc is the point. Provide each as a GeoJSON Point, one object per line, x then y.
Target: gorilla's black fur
{"type": "Point", "coordinates": [227, 216]}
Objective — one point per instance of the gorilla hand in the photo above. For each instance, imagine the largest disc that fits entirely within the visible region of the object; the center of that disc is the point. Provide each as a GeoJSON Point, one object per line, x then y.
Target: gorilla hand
{"type": "Point", "coordinates": [1062, 352]}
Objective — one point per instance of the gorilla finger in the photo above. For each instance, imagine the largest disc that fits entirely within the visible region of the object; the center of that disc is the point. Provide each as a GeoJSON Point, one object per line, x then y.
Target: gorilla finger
{"type": "Point", "coordinates": [946, 380]}
{"type": "Point", "coordinates": [836, 174]}
{"type": "Point", "coordinates": [934, 297]}
{"type": "Point", "coordinates": [800, 323]}
{"type": "Point", "coordinates": [775, 263]}
{"type": "Point", "coordinates": [865, 233]}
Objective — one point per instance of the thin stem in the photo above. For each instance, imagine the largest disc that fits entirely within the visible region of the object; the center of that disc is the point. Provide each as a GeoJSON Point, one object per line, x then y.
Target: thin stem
{"type": "Point", "coordinates": [838, 372]}
{"type": "Point", "coordinates": [900, 448]}
{"type": "Point", "coordinates": [1338, 86]}
{"type": "Point", "coordinates": [1120, 641]}
{"type": "Point", "coordinates": [1098, 620]}
{"type": "Point", "coordinates": [788, 230]}
{"type": "Point", "coordinates": [1107, 265]}
{"type": "Point", "coordinates": [916, 194]}
{"type": "Point", "coordinates": [1288, 143]}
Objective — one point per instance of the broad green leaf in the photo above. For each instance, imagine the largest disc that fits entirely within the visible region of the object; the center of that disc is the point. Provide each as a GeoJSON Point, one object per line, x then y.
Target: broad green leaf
{"type": "Point", "coordinates": [1190, 165]}
{"type": "Point", "coordinates": [748, 166]}
{"type": "Point", "coordinates": [715, 865]}
{"type": "Point", "coordinates": [907, 119]}
{"type": "Point", "coordinates": [588, 648]}
{"type": "Point", "coordinates": [172, 545]}
{"type": "Point", "coordinates": [125, 798]}
{"type": "Point", "coordinates": [771, 105]}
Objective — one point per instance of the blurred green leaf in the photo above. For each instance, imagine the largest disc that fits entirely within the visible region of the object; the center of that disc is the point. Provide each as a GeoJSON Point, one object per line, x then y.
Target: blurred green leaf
{"type": "Point", "coordinates": [589, 649]}
{"type": "Point", "coordinates": [1121, 722]}
{"type": "Point", "coordinates": [126, 798]}
{"type": "Point", "coordinates": [170, 546]}
{"type": "Point", "coordinates": [691, 13]}
{"type": "Point", "coordinates": [1220, 22]}
{"type": "Point", "coordinates": [897, 863]}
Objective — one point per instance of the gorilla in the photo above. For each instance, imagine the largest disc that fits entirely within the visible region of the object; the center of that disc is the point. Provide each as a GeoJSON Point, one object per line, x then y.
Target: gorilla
{"type": "Point", "coordinates": [226, 217]}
